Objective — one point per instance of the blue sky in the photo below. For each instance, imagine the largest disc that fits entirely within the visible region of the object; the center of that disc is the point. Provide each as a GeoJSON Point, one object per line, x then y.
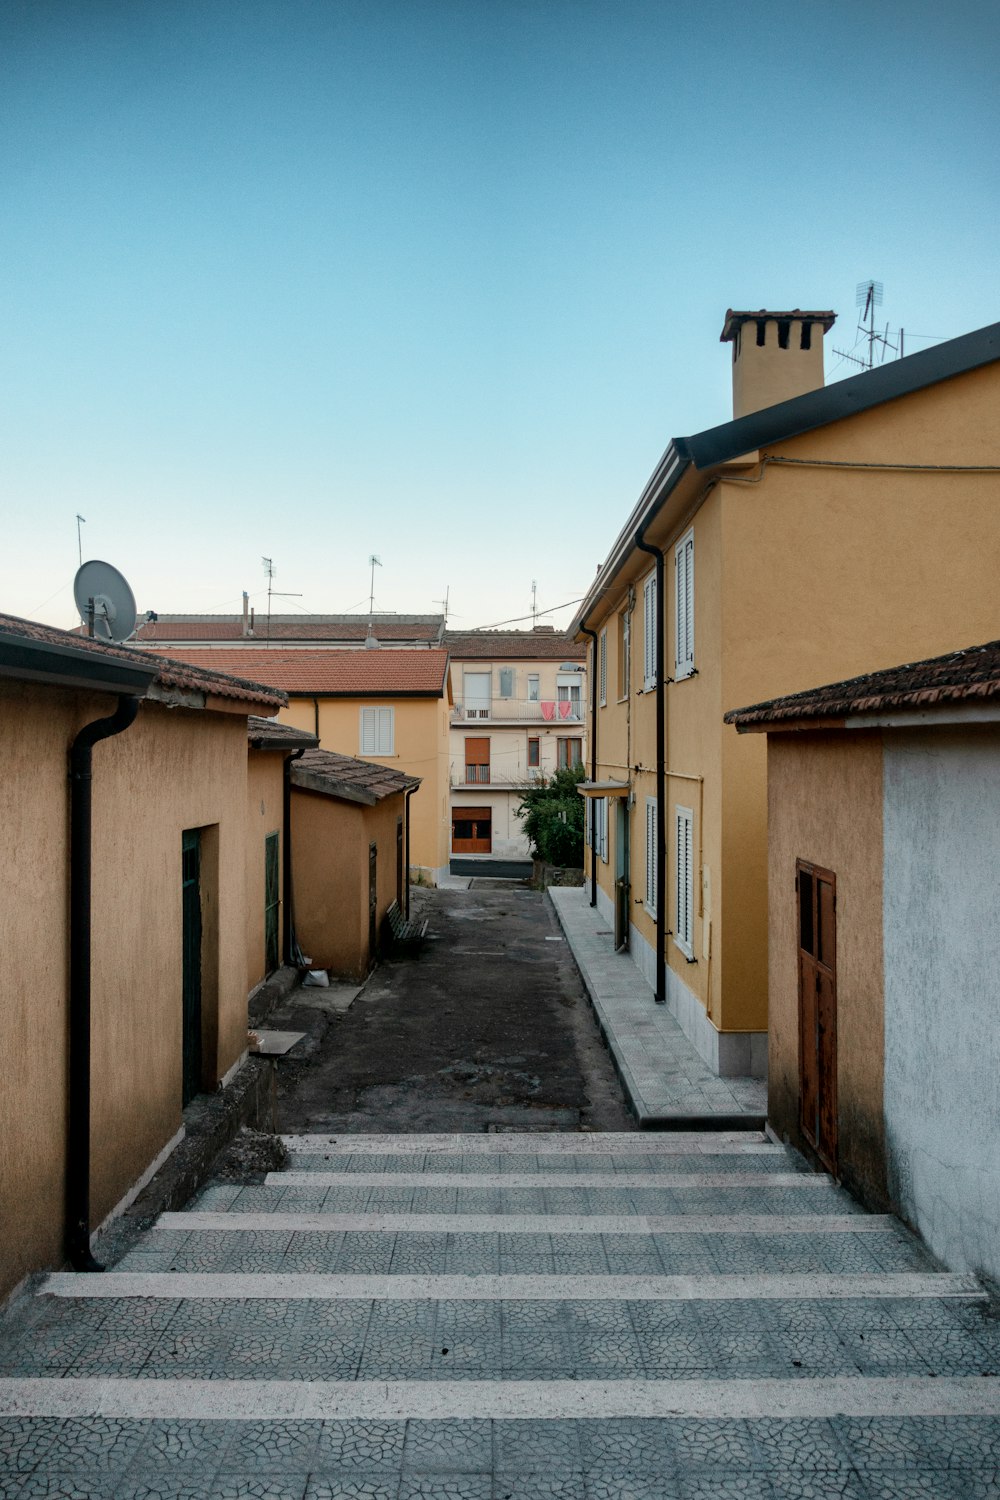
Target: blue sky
{"type": "Point", "coordinates": [439, 279]}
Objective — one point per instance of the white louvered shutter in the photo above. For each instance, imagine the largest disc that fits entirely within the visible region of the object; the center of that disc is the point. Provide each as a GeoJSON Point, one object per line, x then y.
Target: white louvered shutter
{"type": "Point", "coordinates": [685, 881]}
{"type": "Point", "coordinates": [650, 644]}
{"type": "Point", "coordinates": [684, 597]}
{"type": "Point", "coordinates": [603, 667]}
{"type": "Point", "coordinates": [651, 861]}
{"type": "Point", "coordinates": [369, 730]}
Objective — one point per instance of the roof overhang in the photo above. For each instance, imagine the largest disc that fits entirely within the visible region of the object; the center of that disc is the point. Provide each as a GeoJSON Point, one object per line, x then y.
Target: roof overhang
{"type": "Point", "coordinates": [72, 666]}
{"type": "Point", "coordinates": [604, 788]}
{"type": "Point", "coordinates": [319, 781]}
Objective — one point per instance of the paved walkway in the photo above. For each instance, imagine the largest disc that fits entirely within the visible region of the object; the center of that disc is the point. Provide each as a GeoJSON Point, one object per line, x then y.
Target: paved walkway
{"type": "Point", "coordinates": [483, 1317]}
{"type": "Point", "coordinates": [665, 1079]}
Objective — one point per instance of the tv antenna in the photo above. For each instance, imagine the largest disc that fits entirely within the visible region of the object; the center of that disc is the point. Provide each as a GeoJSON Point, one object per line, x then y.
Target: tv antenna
{"type": "Point", "coordinates": [867, 297]}
{"type": "Point", "coordinates": [80, 521]}
{"type": "Point", "coordinates": [269, 572]}
{"type": "Point", "coordinates": [105, 601]}
{"type": "Point", "coordinates": [534, 604]}
{"type": "Point", "coordinates": [444, 604]}
{"type": "Point", "coordinates": [373, 562]}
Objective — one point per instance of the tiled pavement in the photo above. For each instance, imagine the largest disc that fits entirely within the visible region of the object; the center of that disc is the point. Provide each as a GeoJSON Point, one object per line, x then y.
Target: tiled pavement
{"type": "Point", "coordinates": [661, 1072]}
{"type": "Point", "coordinates": [591, 1317]}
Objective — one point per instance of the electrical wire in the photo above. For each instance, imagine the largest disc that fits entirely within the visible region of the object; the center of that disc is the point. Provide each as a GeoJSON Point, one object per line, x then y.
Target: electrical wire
{"type": "Point", "coordinates": [519, 618]}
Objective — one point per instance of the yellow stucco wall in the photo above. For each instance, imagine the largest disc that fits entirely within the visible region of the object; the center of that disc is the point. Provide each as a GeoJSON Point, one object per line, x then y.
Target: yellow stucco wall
{"type": "Point", "coordinates": [265, 779]}
{"type": "Point", "coordinates": [805, 575]}
{"type": "Point", "coordinates": [172, 770]}
{"type": "Point", "coordinates": [825, 807]}
{"type": "Point", "coordinates": [330, 865]}
{"type": "Point", "coordinates": [421, 740]}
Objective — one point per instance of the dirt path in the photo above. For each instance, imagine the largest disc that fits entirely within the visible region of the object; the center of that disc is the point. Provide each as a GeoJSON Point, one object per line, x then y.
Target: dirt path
{"type": "Point", "coordinates": [489, 1027]}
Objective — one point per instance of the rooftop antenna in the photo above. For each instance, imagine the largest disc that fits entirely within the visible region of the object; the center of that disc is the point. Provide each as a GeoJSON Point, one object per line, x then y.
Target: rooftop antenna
{"type": "Point", "coordinates": [373, 562]}
{"type": "Point", "coordinates": [444, 603]}
{"type": "Point", "coordinates": [105, 601]}
{"type": "Point", "coordinates": [868, 296]}
{"type": "Point", "coordinates": [534, 604]}
{"type": "Point", "coordinates": [269, 572]}
{"type": "Point", "coordinates": [80, 521]}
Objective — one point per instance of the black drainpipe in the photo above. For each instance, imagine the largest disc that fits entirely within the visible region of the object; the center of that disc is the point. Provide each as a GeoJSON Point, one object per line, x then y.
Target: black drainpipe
{"type": "Point", "coordinates": [585, 629]}
{"type": "Point", "coordinates": [661, 776]}
{"type": "Point", "coordinates": [286, 854]}
{"type": "Point", "coordinates": [78, 1144]}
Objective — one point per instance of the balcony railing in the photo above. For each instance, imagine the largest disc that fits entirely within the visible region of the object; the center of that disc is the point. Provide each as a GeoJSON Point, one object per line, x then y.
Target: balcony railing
{"type": "Point", "coordinates": [517, 711]}
{"type": "Point", "coordinates": [477, 774]}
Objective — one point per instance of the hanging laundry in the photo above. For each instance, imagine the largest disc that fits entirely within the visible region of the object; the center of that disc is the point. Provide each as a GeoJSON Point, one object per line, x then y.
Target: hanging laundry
{"type": "Point", "coordinates": [565, 708]}
{"type": "Point", "coordinates": [548, 710]}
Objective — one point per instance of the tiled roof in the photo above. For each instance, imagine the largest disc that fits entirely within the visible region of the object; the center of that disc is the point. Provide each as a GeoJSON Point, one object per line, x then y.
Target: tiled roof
{"type": "Point", "coordinates": [343, 776]}
{"type": "Point", "coordinates": [291, 628]}
{"type": "Point", "coordinates": [269, 734]}
{"type": "Point", "coordinates": [512, 645]}
{"type": "Point", "coordinates": [373, 673]}
{"type": "Point", "coordinates": [178, 675]}
{"type": "Point", "coordinates": [961, 676]}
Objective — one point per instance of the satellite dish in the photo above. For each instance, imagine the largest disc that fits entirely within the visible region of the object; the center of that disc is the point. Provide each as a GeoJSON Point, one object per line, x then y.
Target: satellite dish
{"type": "Point", "coordinates": [105, 601]}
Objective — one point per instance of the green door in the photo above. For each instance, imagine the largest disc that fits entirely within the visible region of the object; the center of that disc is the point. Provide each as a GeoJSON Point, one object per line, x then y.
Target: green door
{"type": "Point", "coordinates": [191, 906]}
{"type": "Point", "coordinates": [272, 952]}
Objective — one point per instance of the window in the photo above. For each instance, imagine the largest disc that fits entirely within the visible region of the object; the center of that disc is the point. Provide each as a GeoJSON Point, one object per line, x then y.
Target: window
{"type": "Point", "coordinates": [624, 652]}
{"type": "Point", "coordinates": [506, 682]}
{"type": "Point", "coordinates": [534, 757]}
{"type": "Point", "coordinates": [477, 761]}
{"type": "Point", "coordinates": [684, 925]}
{"type": "Point", "coordinates": [378, 731]}
{"type": "Point", "coordinates": [652, 882]}
{"type": "Point", "coordinates": [601, 827]}
{"type": "Point", "coordinates": [568, 698]}
{"type": "Point", "coordinates": [684, 606]}
{"type": "Point", "coordinates": [569, 753]}
{"type": "Point", "coordinates": [650, 651]}
{"type": "Point", "coordinates": [602, 667]}
{"type": "Point", "coordinates": [533, 687]}
{"type": "Point", "coordinates": [476, 687]}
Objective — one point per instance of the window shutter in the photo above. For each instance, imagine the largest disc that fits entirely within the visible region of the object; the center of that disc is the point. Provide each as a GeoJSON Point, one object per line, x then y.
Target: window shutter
{"type": "Point", "coordinates": [685, 873]}
{"type": "Point", "coordinates": [604, 829]}
{"type": "Point", "coordinates": [649, 657]}
{"type": "Point", "coordinates": [684, 596]}
{"type": "Point", "coordinates": [603, 667]}
{"type": "Point", "coordinates": [368, 731]}
{"type": "Point", "coordinates": [651, 870]}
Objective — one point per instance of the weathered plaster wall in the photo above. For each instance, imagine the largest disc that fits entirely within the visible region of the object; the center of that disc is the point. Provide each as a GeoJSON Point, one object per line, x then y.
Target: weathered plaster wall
{"type": "Point", "coordinates": [421, 749]}
{"type": "Point", "coordinates": [330, 842]}
{"type": "Point", "coordinates": [942, 991]}
{"type": "Point", "coordinates": [172, 770]}
{"type": "Point", "coordinates": [265, 778]}
{"type": "Point", "coordinates": [825, 806]}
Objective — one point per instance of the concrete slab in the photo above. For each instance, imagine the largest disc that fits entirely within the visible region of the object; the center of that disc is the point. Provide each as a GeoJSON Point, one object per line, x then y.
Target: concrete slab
{"type": "Point", "coordinates": [668, 1085]}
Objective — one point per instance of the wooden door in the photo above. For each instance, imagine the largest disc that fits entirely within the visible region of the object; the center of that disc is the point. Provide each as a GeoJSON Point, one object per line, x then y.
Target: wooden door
{"type": "Point", "coordinates": [272, 953]}
{"type": "Point", "coordinates": [372, 902]}
{"type": "Point", "coordinates": [472, 830]}
{"type": "Point", "coordinates": [191, 965]}
{"type": "Point", "coordinates": [400, 862]}
{"type": "Point", "coordinates": [817, 938]}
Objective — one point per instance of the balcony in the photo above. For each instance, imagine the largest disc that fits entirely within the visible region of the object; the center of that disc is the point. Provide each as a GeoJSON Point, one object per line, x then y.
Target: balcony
{"type": "Point", "coordinates": [477, 776]}
{"type": "Point", "coordinates": [516, 711]}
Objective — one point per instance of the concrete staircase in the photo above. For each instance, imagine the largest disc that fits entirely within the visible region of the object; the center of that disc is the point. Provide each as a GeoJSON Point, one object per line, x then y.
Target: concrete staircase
{"type": "Point", "coordinates": [594, 1317]}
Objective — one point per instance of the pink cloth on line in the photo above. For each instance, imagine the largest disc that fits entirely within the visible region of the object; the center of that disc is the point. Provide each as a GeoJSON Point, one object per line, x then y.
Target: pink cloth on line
{"type": "Point", "coordinates": [565, 707]}
{"type": "Point", "coordinates": [548, 710]}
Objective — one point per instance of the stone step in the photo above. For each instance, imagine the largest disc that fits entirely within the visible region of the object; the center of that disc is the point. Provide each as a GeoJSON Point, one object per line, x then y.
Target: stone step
{"type": "Point", "coordinates": [317, 1286]}
{"type": "Point", "coordinates": [678, 1402]}
{"type": "Point", "coordinates": [521, 1224]}
{"type": "Point", "coordinates": [718, 1180]}
{"type": "Point", "coordinates": [516, 1143]}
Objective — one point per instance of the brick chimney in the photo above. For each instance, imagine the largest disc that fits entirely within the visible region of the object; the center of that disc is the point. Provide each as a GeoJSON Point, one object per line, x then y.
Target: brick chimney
{"type": "Point", "coordinates": [776, 355]}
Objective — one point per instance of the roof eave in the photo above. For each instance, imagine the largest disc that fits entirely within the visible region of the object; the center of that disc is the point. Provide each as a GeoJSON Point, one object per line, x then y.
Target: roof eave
{"type": "Point", "coordinates": [28, 660]}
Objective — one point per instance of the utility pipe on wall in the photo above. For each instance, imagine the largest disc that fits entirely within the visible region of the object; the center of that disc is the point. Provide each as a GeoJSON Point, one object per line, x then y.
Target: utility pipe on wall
{"type": "Point", "coordinates": [78, 1144]}
{"type": "Point", "coordinates": [593, 757]}
{"type": "Point", "coordinates": [661, 785]}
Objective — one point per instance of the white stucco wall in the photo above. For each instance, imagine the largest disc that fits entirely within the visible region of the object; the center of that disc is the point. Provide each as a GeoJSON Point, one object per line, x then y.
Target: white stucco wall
{"type": "Point", "coordinates": [942, 988]}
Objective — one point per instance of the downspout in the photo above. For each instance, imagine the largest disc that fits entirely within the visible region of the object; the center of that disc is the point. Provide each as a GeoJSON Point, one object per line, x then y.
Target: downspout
{"type": "Point", "coordinates": [408, 793]}
{"type": "Point", "coordinates": [286, 853]}
{"type": "Point", "coordinates": [80, 870]}
{"type": "Point", "coordinates": [661, 779]}
{"type": "Point", "coordinates": [585, 629]}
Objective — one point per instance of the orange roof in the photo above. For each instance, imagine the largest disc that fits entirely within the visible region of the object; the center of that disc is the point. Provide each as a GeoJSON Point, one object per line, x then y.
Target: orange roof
{"type": "Point", "coordinates": [185, 676]}
{"type": "Point", "coordinates": [513, 645]}
{"type": "Point", "coordinates": [397, 628]}
{"type": "Point", "coordinates": [380, 672]}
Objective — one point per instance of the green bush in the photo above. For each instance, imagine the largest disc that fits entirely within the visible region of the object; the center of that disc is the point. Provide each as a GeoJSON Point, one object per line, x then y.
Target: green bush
{"type": "Point", "coordinates": [552, 814]}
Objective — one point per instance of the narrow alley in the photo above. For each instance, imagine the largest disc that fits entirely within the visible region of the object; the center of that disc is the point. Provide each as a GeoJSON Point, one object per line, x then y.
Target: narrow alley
{"type": "Point", "coordinates": [473, 1278]}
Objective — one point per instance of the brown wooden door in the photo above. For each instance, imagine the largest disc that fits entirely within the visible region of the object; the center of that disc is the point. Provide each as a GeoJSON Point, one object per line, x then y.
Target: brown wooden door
{"type": "Point", "coordinates": [817, 917]}
{"type": "Point", "coordinates": [472, 830]}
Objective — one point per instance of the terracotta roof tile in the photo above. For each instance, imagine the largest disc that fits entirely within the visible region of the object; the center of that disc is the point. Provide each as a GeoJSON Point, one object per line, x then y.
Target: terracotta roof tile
{"type": "Point", "coordinates": [961, 676]}
{"type": "Point", "coordinates": [270, 734]}
{"type": "Point", "coordinates": [512, 645]}
{"type": "Point", "coordinates": [166, 628]}
{"type": "Point", "coordinates": [179, 675]}
{"type": "Point", "coordinates": [376, 673]}
{"type": "Point", "coordinates": [342, 775]}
